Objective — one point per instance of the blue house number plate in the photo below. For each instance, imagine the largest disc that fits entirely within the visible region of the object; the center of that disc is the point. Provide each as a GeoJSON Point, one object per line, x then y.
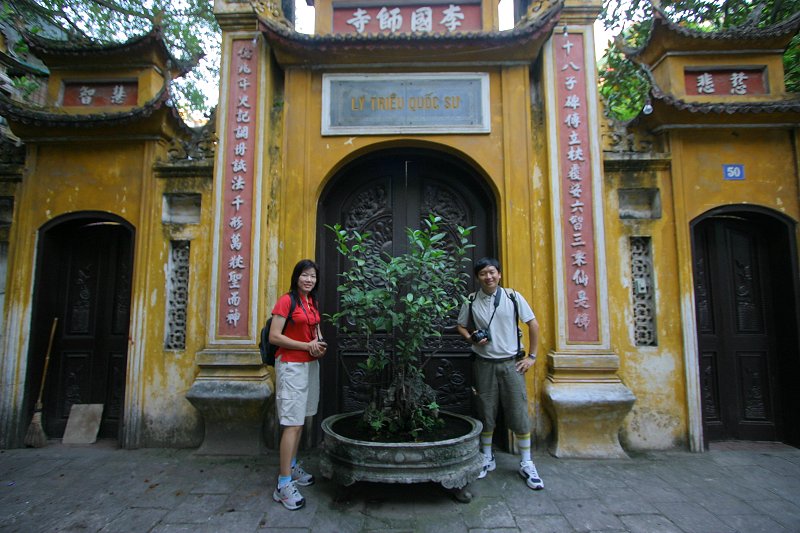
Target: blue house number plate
{"type": "Point", "coordinates": [733, 172]}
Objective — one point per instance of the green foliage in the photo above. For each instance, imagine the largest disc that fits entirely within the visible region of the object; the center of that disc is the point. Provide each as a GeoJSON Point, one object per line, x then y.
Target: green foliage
{"type": "Point", "coordinates": [624, 86]}
{"type": "Point", "coordinates": [408, 298]}
{"type": "Point", "coordinates": [190, 31]}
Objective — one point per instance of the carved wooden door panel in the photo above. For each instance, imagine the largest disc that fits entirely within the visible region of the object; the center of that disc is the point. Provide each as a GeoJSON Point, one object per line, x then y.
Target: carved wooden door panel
{"type": "Point", "coordinates": [734, 304]}
{"type": "Point", "coordinates": [85, 280]}
{"type": "Point", "coordinates": [384, 195]}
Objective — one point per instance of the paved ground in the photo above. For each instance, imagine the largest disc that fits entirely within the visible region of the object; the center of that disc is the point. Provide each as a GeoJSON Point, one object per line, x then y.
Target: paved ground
{"type": "Point", "coordinates": [733, 488]}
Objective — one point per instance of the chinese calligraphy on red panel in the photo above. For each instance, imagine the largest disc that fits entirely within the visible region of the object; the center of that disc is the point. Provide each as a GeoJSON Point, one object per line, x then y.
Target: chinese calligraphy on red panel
{"type": "Point", "coordinates": [237, 210]}
{"type": "Point", "coordinates": [576, 188]}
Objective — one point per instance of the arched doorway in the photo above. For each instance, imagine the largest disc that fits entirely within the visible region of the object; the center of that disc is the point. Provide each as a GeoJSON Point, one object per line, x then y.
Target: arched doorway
{"type": "Point", "coordinates": [83, 277]}
{"type": "Point", "coordinates": [383, 193]}
{"type": "Point", "coordinates": [746, 297]}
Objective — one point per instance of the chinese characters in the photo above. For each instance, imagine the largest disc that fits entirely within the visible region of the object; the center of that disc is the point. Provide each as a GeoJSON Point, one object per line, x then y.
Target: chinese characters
{"type": "Point", "coordinates": [100, 94]}
{"type": "Point", "coordinates": [725, 82]}
{"type": "Point", "coordinates": [235, 256]}
{"type": "Point", "coordinates": [446, 18]}
{"type": "Point", "coordinates": [577, 226]}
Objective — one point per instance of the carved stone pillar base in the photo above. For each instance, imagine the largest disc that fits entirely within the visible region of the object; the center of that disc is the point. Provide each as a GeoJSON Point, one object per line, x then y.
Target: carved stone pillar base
{"type": "Point", "coordinates": [232, 392]}
{"type": "Point", "coordinates": [587, 403]}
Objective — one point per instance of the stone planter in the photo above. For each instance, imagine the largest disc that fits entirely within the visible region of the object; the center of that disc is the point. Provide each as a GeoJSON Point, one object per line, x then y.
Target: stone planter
{"type": "Point", "coordinates": [452, 462]}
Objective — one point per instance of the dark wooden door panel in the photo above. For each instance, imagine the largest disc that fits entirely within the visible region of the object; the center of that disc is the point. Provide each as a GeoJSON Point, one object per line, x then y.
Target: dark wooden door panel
{"type": "Point", "coordinates": [90, 292]}
{"type": "Point", "coordinates": [737, 346]}
{"type": "Point", "coordinates": [384, 195]}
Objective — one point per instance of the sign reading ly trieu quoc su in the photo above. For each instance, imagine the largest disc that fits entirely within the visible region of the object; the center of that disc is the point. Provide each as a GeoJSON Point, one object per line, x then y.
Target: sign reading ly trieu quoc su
{"type": "Point", "coordinates": [405, 103]}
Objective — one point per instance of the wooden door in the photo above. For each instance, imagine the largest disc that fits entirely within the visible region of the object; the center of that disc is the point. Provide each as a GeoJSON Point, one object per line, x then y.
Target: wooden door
{"type": "Point", "coordinates": [384, 194]}
{"type": "Point", "coordinates": [84, 278]}
{"type": "Point", "coordinates": [736, 317]}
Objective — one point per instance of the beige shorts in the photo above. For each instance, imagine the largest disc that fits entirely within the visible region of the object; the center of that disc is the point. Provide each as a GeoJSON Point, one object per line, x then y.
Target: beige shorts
{"type": "Point", "coordinates": [297, 391]}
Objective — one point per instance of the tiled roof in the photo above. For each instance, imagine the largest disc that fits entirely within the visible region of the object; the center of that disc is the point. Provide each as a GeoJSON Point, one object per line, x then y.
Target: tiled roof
{"type": "Point", "coordinates": [54, 48]}
{"type": "Point", "coordinates": [519, 44]}
{"type": "Point", "coordinates": [671, 110]}
{"type": "Point", "coordinates": [666, 35]}
{"type": "Point", "coordinates": [48, 117]}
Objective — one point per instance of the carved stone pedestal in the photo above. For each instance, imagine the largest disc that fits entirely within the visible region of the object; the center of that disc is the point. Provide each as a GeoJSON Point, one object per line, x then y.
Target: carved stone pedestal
{"type": "Point", "coordinates": [453, 461]}
{"type": "Point", "coordinates": [231, 392]}
{"type": "Point", "coordinates": [587, 403]}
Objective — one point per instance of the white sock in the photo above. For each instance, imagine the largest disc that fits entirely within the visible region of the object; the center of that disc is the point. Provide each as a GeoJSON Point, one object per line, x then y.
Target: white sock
{"type": "Point", "coordinates": [486, 443]}
{"type": "Point", "coordinates": [524, 444]}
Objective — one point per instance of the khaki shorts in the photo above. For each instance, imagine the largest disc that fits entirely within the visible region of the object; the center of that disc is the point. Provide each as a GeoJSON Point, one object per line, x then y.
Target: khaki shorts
{"type": "Point", "coordinates": [297, 391]}
{"type": "Point", "coordinates": [500, 383]}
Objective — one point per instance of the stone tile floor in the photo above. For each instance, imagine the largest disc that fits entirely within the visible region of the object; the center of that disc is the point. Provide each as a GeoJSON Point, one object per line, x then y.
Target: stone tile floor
{"type": "Point", "coordinates": [734, 487]}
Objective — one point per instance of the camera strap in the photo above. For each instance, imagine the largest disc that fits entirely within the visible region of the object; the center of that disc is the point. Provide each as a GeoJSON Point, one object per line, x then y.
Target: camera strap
{"type": "Point", "coordinates": [496, 304]}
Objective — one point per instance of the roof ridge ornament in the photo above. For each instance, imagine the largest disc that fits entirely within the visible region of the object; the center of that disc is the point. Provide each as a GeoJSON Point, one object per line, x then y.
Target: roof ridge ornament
{"type": "Point", "coordinates": [271, 9]}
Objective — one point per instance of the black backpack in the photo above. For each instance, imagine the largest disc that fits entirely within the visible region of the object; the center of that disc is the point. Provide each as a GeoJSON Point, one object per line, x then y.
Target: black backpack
{"type": "Point", "coordinates": [268, 350]}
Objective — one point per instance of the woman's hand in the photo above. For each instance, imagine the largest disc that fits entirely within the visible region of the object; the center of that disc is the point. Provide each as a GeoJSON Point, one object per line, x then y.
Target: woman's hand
{"type": "Point", "coordinates": [317, 348]}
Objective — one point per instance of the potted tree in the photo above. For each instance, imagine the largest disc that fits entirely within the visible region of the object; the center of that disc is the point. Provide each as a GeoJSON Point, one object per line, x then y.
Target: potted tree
{"type": "Point", "coordinates": [401, 436]}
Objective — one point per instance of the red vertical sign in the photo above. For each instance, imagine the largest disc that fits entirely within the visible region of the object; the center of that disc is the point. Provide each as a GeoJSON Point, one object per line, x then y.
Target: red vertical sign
{"type": "Point", "coordinates": [576, 188]}
{"type": "Point", "coordinates": [235, 253]}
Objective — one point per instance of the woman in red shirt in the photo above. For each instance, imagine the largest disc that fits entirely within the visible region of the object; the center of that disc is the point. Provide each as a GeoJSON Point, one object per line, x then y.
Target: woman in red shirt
{"type": "Point", "coordinates": [300, 345]}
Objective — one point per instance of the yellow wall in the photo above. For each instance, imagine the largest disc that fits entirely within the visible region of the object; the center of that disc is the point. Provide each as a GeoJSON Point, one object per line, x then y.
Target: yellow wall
{"type": "Point", "coordinates": [117, 177]}
{"type": "Point", "coordinates": [513, 166]}
{"type": "Point", "coordinates": [690, 184]}
{"type": "Point", "coordinates": [770, 169]}
{"type": "Point", "coordinates": [169, 419]}
{"type": "Point", "coordinates": [653, 373]}
{"type": "Point", "coordinates": [311, 159]}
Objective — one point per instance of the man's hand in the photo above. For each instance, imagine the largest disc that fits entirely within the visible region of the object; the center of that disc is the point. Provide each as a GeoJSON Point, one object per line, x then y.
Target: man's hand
{"type": "Point", "coordinates": [525, 363]}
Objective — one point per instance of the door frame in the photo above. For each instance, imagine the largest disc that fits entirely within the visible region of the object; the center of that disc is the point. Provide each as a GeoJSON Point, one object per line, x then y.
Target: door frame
{"type": "Point", "coordinates": [477, 178]}
{"type": "Point", "coordinates": [785, 238]}
{"type": "Point", "coordinates": [35, 352]}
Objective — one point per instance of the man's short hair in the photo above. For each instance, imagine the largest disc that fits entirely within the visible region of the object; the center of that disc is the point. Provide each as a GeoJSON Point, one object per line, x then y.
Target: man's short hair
{"type": "Point", "coordinates": [484, 262]}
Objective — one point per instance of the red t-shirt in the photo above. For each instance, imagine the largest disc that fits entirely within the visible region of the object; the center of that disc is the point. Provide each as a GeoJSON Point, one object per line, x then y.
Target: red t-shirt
{"type": "Point", "coordinates": [302, 327]}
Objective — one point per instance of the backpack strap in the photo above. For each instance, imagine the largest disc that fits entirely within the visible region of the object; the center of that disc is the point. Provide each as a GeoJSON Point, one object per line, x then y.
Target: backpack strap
{"type": "Point", "coordinates": [292, 305]}
{"type": "Point", "coordinates": [513, 296]}
{"type": "Point", "coordinates": [470, 318]}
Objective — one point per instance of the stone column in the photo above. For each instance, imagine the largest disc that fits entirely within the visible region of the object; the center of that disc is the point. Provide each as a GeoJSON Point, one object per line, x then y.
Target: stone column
{"type": "Point", "coordinates": [232, 387]}
{"type": "Point", "coordinates": [583, 393]}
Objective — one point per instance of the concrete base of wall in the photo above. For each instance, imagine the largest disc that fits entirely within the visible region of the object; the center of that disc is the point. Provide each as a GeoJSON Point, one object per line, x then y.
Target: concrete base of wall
{"type": "Point", "coordinates": [232, 400]}
{"type": "Point", "coordinates": [587, 403]}
{"type": "Point", "coordinates": [587, 418]}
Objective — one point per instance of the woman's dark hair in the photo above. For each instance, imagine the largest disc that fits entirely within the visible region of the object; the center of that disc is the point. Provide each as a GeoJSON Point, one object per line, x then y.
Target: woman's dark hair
{"type": "Point", "coordinates": [484, 262]}
{"type": "Point", "coordinates": [304, 264]}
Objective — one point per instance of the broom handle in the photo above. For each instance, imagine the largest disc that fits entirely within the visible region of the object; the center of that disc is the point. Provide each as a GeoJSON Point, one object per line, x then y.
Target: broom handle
{"type": "Point", "coordinates": [47, 359]}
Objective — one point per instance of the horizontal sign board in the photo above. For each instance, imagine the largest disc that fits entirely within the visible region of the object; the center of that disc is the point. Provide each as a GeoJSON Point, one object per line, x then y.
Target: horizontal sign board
{"type": "Point", "coordinates": [364, 104]}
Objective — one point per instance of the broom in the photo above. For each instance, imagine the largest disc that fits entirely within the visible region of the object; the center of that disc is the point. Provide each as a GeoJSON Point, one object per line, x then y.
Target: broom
{"type": "Point", "coordinates": [36, 437]}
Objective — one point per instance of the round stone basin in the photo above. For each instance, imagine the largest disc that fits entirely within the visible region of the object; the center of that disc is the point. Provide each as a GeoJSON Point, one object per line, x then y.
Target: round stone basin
{"type": "Point", "coordinates": [454, 461]}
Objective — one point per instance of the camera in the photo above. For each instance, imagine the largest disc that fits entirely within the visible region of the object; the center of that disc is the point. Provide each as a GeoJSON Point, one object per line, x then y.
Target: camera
{"type": "Point", "coordinates": [480, 334]}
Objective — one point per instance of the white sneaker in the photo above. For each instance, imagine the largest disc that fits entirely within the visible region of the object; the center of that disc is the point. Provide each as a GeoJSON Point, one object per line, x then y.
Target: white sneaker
{"type": "Point", "coordinates": [527, 471]}
{"type": "Point", "coordinates": [489, 464]}
{"type": "Point", "coordinates": [289, 496]}
{"type": "Point", "coordinates": [301, 477]}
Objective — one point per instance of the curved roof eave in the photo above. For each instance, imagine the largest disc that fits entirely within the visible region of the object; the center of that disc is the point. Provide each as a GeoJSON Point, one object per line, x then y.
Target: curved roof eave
{"type": "Point", "coordinates": [666, 34]}
{"type": "Point", "coordinates": [29, 116]}
{"type": "Point", "coordinates": [54, 48]}
{"type": "Point", "coordinates": [522, 43]}
{"type": "Point", "coordinates": [669, 109]}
